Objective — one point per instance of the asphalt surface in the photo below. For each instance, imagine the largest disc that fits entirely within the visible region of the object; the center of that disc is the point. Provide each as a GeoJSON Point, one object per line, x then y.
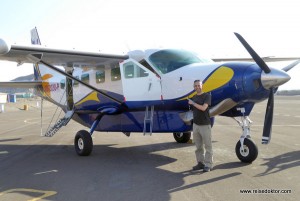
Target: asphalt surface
{"type": "Point", "coordinates": [145, 167]}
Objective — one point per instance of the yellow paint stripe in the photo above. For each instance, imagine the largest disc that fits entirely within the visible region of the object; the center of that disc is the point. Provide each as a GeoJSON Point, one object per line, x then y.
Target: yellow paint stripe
{"type": "Point", "coordinates": [93, 96]}
{"type": "Point", "coordinates": [45, 193]}
{"type": "Point", "coordinates": [46, 88]}
{"type": "Point", "coordinates": [46, 85]}
{"type": "Point", "coordinates": [218, 79]}
{"type": "Point", "coordinates": [47, 76]}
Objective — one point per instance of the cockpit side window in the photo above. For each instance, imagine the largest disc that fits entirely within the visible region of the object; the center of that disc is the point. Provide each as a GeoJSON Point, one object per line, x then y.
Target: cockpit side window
{"type": "Point", "coordinates": [169, 60]}
{"type": "Point", "coordinates": [131, 70]}
{"type": "Point", "coordinates": [147, 65]}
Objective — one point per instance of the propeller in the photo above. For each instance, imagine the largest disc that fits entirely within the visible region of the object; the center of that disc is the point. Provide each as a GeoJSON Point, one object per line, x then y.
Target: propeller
{"type": "Point", "coordinates": [292, 65]}
{"type": "Point", "coordinates": [270, 105]}
{"type": "Point", "coordinates": [267, 131]}
{"type": "Point", "coordinates": [259, 61]}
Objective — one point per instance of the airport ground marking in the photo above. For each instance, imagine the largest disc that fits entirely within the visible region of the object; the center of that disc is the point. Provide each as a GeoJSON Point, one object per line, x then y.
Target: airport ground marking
{"type": "Point", "coordinates": [3, 152]}
{"type": "Point", "coordinates": [45, 193]}
{"type": "Point", "coordinates": [50, 171]}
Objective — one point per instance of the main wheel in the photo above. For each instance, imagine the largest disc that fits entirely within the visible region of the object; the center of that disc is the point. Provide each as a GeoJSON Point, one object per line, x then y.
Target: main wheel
{"type": "Point", "coordinates": [248, 153]}
{"type": "Point", "coordinates": [182, 137]}
{"type": "Point", "coordinates": [83, 143]}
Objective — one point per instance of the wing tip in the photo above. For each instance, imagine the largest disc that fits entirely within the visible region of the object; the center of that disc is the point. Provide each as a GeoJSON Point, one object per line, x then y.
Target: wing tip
{"type": "Point", "coordinates": [4, 47]}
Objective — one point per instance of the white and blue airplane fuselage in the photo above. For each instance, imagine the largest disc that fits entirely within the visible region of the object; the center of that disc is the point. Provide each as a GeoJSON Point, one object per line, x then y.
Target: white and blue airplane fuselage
{"type": "Point", "coordinates": [146, 91]}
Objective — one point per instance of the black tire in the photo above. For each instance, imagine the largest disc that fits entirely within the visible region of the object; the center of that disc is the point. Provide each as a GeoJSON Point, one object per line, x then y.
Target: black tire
{"type": "Point", "coordinates": [249, 153]}
{"type": "Point", "coordinates": [182, 137]}
{"type": "Point", "coordinates": [83, 143]}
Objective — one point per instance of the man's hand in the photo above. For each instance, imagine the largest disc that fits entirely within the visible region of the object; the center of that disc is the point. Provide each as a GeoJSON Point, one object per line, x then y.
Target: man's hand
{"type": "Point", "coordinates": [191, 102]}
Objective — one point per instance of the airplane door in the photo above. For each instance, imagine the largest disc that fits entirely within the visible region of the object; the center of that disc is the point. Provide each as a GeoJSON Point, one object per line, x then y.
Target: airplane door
{"type": "Point", "coordinates": [139, 83]}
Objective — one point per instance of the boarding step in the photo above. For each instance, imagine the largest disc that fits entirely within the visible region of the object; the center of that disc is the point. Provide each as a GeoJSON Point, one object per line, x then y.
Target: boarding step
{"type": "Point", "coordinates": [148, 121]}
{"type": "Point", "coordinates": [62, 122]}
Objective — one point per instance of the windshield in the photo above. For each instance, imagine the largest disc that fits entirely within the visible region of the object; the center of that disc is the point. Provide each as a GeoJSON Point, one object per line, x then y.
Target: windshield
{"type": "Point", "coordinates": [169, 60]}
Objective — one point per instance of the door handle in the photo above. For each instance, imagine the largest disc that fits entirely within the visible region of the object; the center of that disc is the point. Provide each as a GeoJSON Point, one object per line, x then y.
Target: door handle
{"type": "Point", "coordinates": [149, 88]}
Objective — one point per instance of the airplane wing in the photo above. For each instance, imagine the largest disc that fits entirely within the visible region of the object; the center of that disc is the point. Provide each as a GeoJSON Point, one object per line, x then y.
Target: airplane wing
{"type": "Point", "coordinates": [266, 59]}
{"type": "Point", "coordinates": [26, 85]}
{"type": "Point", "coordinates": [50, 57]}
{"type": "Point", "coordinates": [22, 54]}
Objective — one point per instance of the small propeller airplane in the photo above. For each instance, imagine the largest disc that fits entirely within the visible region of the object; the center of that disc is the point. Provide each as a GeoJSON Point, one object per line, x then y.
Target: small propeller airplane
{"type": "Point", "coordinates": [147, 91]}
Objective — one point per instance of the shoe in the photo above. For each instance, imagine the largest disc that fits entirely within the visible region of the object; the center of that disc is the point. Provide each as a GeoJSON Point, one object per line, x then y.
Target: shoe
{"type": "Point", "coordinates": [207, 169]}
{"type": "Point", "coordinates": [199, 166]}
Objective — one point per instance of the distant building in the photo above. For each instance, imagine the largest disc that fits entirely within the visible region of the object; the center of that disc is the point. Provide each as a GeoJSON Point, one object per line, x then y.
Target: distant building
{"type": "Point", "coordinates": [24, 95]}
{"type": "Point", "coordinates": [3, 97]}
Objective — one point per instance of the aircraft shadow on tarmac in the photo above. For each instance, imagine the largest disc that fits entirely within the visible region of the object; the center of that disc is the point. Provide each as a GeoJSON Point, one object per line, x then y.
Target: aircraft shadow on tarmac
{"type": "Point", "coordinates": [12, 139]}
{"type": "Point", "coordinates": [281, 162]}
{"type": "Point", "coordinates": [231, 165]}
{"type": "Point", "coordinates": [130, 173]}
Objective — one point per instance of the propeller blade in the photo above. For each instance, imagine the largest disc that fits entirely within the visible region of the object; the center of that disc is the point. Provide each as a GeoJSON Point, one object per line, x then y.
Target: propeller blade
{"type": "Point", "coordinates": [253, 54]}
{"type": "Point", "coordinates": [268, 118]}
{"type": "Point", "coordinates": [292, 65]}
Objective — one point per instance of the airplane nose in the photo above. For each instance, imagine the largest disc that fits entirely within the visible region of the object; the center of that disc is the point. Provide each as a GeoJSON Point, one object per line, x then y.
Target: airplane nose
{"type": "Point", "coordinates": [274, 79]}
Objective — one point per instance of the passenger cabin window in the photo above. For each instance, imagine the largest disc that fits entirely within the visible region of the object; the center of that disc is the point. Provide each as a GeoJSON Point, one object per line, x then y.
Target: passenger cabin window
{"type": "Point", "coordinates": [85, 78]}
{"type": "Point", "coordinates": [75, 83]}
{"type": "Point", "coordinates": [169, 60]}
{"type": "Point", "coordinates": [62, 84]}
{"type": "Point", "coordinates": [115, 72]}
{"type": "Point", "coordinates": [100, 74]}
{"type": "Point", "coordinates": [131, 70]}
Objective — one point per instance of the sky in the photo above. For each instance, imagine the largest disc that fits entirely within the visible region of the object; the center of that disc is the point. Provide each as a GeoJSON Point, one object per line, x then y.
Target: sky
{"type": "Point", "coordinates": [118, 26]}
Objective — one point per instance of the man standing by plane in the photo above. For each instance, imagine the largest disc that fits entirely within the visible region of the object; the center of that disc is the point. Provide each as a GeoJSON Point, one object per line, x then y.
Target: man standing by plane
{"type": "Point", "coordinates": [202, 128]}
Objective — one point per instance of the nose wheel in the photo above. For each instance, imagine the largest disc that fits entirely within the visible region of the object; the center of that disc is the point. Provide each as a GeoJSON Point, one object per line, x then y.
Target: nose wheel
{"type": "Point", "coordinates": [245, 149]}
{"type": "Point", "coordinates": [248, 152]}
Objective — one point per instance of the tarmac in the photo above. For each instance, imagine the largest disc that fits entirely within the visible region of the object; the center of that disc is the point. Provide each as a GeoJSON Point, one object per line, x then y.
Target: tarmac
{"type": "Point", "coordinates": [145, 168]}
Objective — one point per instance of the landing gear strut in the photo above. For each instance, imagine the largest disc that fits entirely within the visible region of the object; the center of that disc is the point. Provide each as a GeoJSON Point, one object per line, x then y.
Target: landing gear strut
{"type": "Point", "coordinates": [245, 149]}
